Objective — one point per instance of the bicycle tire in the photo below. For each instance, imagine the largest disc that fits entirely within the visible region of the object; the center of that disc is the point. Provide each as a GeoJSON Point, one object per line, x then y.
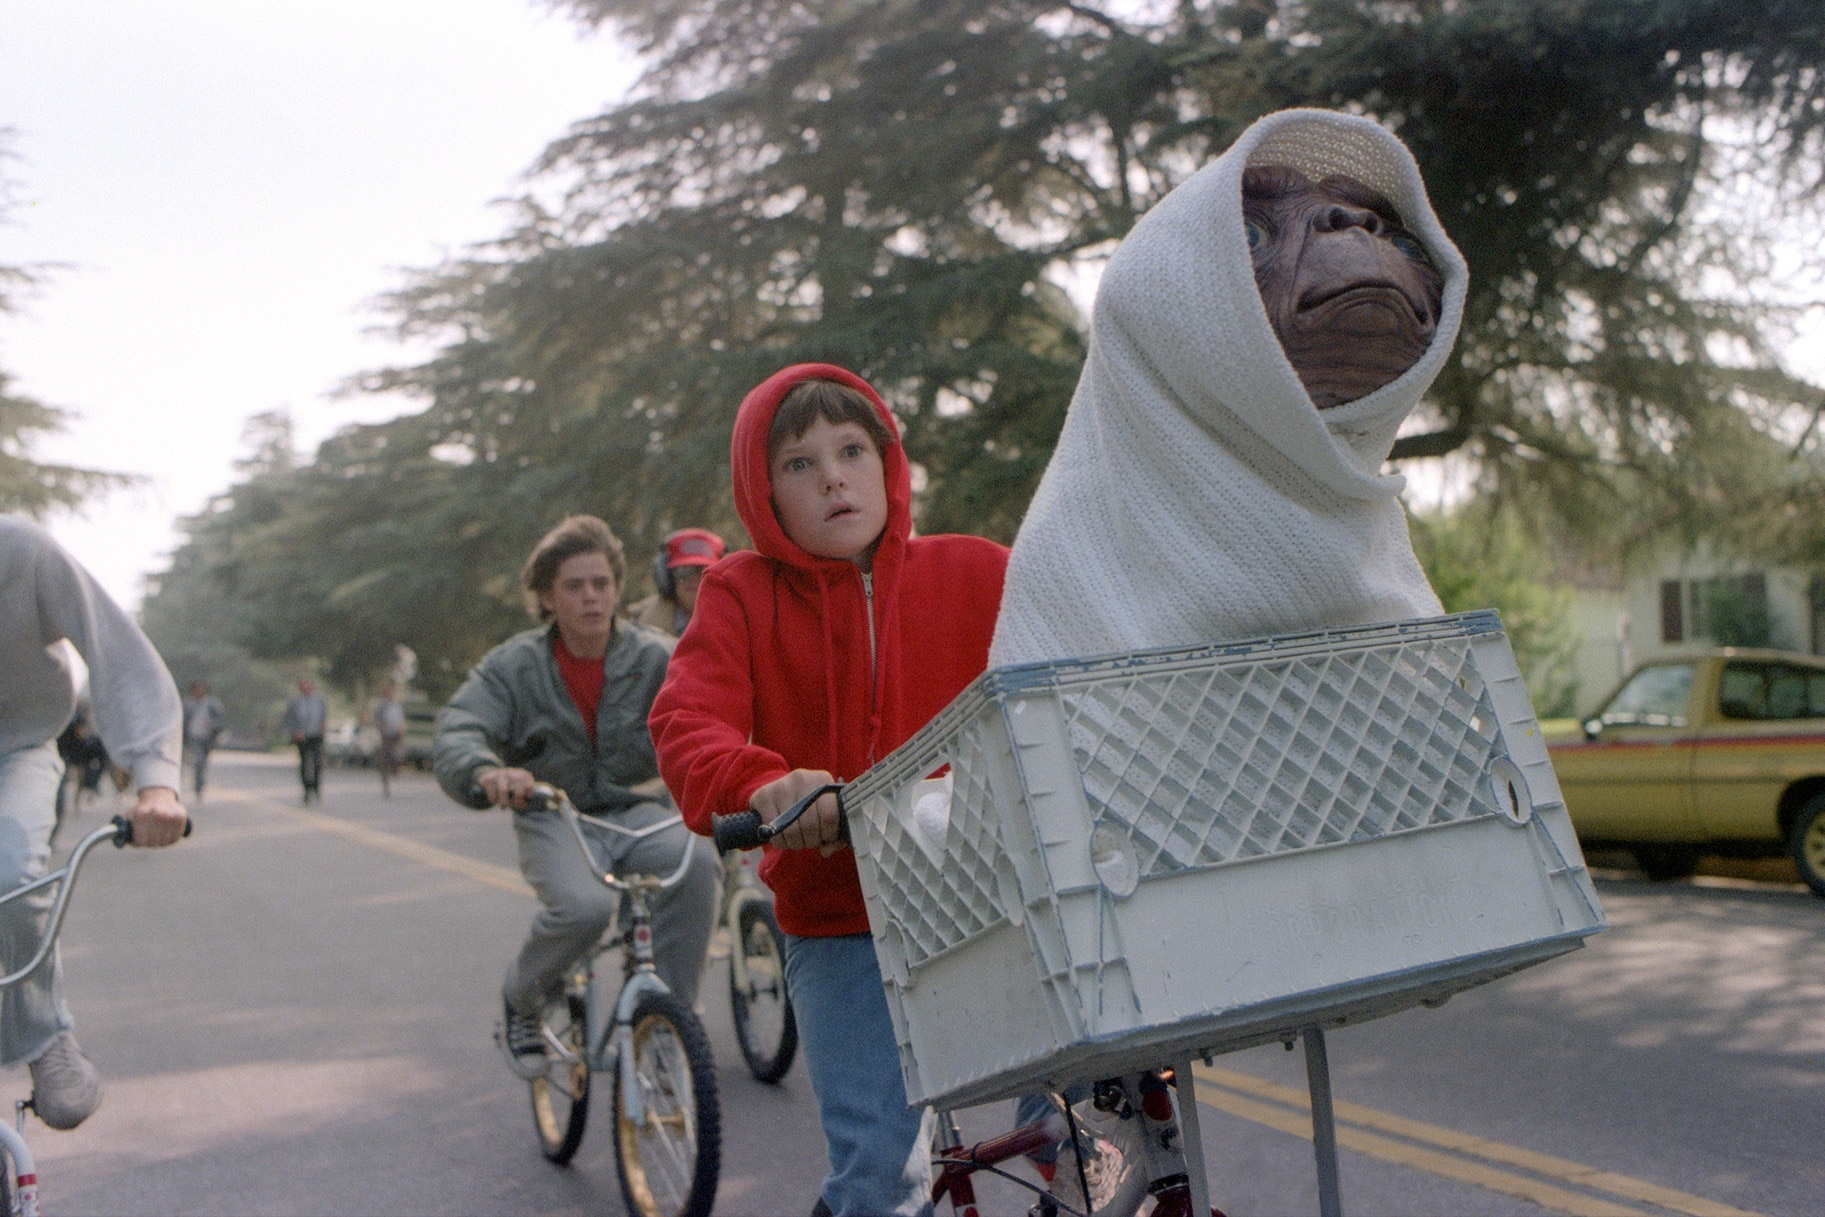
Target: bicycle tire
{"type": "Point", "coordinates": [670, 1159]}
{"type": "Point", "coordinates": [560, 1096]}
{"type": "Point", "coordinates": [765, 1028]}
{"type": "Point", "coordinates": [1118, 1184]}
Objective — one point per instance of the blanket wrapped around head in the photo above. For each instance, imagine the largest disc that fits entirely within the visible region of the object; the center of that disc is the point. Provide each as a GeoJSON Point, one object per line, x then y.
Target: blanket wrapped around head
{"type": "Point", "coordinates": [1197, 494]}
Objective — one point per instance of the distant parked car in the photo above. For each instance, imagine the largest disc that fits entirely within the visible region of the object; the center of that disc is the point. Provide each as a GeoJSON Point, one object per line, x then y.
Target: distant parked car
{"type": "Point", "coordinates": [421, 729]}
{"type": "Point", "coordinates": [350, 743]}
{"type": "Point", "coordinates": [1719, 753]}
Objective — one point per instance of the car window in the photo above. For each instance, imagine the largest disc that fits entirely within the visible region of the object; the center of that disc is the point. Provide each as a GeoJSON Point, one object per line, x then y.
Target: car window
{"type": "Point", "coordinates": [1770, 691]}
{"type": "Point", "coordinates": [1653, 697]}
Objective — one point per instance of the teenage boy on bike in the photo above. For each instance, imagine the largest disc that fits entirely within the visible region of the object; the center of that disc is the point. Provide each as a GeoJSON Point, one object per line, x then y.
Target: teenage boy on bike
{"type": "Point", "coordinates": [817, 655]}
{"type": "Point", "coordinates": [566, 703]}
{"type": "Point", "coordinates": [47, 597]}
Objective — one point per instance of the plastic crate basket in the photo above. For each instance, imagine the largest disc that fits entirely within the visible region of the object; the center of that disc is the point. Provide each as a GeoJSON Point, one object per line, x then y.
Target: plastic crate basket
{"type": "Point", "coordinates": [1145, 857]}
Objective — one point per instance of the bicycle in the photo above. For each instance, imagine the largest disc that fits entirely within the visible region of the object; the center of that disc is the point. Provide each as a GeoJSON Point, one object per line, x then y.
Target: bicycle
{"type": "Point", "coordinates": [765, 1027]}
{"type": "Point", "coordinates": [19, 1177]}
{"type": "Point", "coordinates": [668, 1132]}
{"type": "Point", "coordinates": [1128, 1141]}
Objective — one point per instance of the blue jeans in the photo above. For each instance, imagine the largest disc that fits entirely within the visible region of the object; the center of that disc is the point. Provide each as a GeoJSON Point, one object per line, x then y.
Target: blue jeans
{"type": "Point", "coordinates": [879, 1148]}
{"type": "Point", "coordinates": [32, 1012]}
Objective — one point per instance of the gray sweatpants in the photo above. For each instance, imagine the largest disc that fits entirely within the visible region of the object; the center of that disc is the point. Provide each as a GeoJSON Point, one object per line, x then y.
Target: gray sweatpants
{"type": "Point", "coordinates": [577, 908]}
{"type": "Point", "coordinates": [33, 1011]}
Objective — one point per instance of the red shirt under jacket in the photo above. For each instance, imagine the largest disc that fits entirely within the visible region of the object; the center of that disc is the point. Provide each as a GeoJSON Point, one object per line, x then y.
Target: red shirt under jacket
{"type": "Point", "coordinates": [584, 679]}
{"type": "Point", "coordinates": [773, 673]}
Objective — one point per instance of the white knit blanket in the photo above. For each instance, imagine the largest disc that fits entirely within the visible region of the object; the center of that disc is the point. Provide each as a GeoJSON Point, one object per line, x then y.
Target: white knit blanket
{"type": "Point", "coordinates": [1196, 493]}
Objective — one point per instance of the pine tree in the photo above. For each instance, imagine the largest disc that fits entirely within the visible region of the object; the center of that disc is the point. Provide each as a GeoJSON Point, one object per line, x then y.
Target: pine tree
{"type": "Point", "coordinates": [907, 187]}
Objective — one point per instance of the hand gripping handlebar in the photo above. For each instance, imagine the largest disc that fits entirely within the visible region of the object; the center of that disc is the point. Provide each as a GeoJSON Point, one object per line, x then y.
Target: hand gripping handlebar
{"type": "Point", "coordinates": [744, 830]}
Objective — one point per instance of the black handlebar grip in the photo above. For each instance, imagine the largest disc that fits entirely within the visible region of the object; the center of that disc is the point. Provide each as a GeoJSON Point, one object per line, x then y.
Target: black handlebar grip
{"type": "Point", "coordinates": [743, 830]}
{"type": "Point", "coordinates": [123, 830]}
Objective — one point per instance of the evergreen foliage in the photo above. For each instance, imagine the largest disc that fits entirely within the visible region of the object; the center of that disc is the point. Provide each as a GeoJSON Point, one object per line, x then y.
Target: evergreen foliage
{"type": "Point", "coordinates": [26, 485]}
{"type": "Point", "coordinates": [908, 187]}
{"type": "Point", "coordinates": [1481, 556]}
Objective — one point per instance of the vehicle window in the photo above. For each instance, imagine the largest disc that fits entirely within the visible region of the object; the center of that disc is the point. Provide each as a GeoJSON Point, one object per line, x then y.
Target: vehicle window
{"type": "Point", "coordinates": [1742, 691]}
{"type": "Point", "coordinates": [1654, 697]}
{"type": "Point", "coordinates": [1771, 691]}
{"type": "Point", "coordinates": [1787, 693]}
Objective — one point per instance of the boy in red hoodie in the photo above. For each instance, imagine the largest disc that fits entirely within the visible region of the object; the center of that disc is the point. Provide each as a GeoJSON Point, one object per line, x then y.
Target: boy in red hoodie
{"type": "Point", "coordinates": [815, 656]}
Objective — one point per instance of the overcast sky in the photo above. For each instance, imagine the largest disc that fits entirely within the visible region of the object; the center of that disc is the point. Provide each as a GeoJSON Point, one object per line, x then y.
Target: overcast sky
{"type": "Point", "coordinates": [228, 183]}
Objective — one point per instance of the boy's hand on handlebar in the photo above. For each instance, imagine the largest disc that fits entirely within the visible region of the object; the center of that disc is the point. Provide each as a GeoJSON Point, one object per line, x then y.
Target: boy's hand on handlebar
{"type": "Point", "coordinates": [506, 787]}
{"type": "Point", "coordinates": [821, 825]}
{"type": "Point", "coordinates": [158, 819]}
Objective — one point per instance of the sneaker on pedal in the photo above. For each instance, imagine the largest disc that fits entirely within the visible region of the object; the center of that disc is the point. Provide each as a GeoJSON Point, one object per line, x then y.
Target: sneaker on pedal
{"type": "Point", "coordinates": [66, 1087]}
{"type": "Point", "coordinates": [523, 1036]}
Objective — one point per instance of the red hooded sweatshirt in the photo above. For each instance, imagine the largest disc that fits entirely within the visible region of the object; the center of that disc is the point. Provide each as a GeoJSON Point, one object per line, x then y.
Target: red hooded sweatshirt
{"type": "Point", "coordinates": [773, 672]}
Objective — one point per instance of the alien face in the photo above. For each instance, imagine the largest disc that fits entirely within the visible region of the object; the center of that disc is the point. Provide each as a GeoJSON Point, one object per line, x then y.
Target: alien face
{"type": "Point", "coordinates": [1352, 295]}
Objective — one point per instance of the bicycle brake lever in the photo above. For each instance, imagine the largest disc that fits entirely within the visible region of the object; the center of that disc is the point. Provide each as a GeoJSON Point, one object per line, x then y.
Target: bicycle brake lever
{"type": "Point", "coordinates": [799, 808]}
{"type": "Point", "coordinates": [743, 830]}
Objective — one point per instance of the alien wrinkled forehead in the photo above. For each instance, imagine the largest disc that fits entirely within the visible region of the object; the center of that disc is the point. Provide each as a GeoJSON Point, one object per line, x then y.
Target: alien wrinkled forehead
{"type": "Point", "coordinates": [1281, 188]}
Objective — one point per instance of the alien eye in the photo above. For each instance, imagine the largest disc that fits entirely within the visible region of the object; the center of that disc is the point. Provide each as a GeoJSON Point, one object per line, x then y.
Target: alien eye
{"type": "Point", "coordinates": [1408, 246]}
{"type": "Point", "coordinates": [1257, 235]}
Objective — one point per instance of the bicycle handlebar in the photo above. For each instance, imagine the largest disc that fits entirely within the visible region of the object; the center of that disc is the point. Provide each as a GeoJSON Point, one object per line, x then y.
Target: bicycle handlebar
{"type": "Point", "coordinates": [120, 832]}
{"type": "Point", "coordinates": [744, 830]}
{"type": "Point", "coordinates": [546, 797]}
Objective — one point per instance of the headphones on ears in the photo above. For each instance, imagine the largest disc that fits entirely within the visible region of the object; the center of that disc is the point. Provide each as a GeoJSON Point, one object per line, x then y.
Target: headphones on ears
{"type": "Point", "coordinates": [662, 576]}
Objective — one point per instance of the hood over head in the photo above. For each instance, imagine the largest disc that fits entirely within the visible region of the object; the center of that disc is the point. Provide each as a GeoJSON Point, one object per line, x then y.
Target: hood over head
{"type": "Point", "coordinates": [1196, 493]}
{"type": "Point", "coordinates": [1187, 264]}
{"type": "Point", "coordinates": [753, 484]}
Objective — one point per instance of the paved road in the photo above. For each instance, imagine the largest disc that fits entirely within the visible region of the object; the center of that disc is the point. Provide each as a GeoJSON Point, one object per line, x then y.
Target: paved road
{"type": "Point", "coordinates": [293, 1013]}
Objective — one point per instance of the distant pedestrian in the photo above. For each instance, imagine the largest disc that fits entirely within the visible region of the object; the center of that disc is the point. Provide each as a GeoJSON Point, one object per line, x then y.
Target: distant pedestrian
{"type": "Point", "coordinates": [304, 720]}
{"type": "Point", "coordinates": [204, 722]}
{"type": "Point", "coordinates": [677, 569]}
{"type": "Point", "coordinates": [389, 718]}
{"type": "Point", "coordinates": [85, 760]}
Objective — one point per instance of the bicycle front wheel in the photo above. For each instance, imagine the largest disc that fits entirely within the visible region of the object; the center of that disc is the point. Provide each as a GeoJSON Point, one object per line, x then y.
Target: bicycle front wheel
{"type": "Point", "coordinates": [669, 1151]}
{"type": "Point", "coordinates": [764, 1025]}
{"type": "Point", "coordinates": [560, 1095]}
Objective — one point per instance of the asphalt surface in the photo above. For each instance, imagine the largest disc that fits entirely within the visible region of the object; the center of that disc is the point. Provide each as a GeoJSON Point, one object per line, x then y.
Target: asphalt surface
{"type": "Point", "coordinates": [293, 1013]}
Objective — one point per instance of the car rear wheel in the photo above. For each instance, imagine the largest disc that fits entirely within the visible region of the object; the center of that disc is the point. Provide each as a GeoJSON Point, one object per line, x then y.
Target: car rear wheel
{"type": "Point", "coordinates": [1664, 862]}
{"type": "Point", "coordinates": [1806, 843]}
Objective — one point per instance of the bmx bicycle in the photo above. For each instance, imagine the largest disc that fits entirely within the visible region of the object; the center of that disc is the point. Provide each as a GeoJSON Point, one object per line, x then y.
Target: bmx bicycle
{"type": "Point", "coordinates": [765, 1027]}
{"type": "Point", "coordinates": [667, 1124]}
{"type": "Point", "coordinates": [19, 1178]}
{"type": "Point", "coordinates": [1131, 1139]}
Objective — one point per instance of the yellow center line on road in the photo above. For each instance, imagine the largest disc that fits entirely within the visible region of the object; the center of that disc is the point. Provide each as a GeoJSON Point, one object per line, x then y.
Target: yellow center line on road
{"type": "Point", "coordinates": [1229, 1091]}
{"type": "Point", "coordinates": [504, 878]}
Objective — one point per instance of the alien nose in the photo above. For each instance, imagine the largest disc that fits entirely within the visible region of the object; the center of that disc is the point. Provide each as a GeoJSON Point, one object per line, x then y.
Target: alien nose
{"type": "Point", "coordinates": [1338, 217]}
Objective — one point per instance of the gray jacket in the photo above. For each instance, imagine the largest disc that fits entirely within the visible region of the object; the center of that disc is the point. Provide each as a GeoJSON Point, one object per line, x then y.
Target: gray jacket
{"type": "Point", "coordinates": [46, 596]}
{"type": "Point", "coordinates": [514, 710]}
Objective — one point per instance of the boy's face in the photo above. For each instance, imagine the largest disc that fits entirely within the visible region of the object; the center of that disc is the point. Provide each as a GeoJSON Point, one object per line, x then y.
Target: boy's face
{"type": "Point", "coordinates": [582, 596]}
{"type": "Point", "coordinates": [829, 492]}
{"type": "Point", "coordinates": [684, 586]}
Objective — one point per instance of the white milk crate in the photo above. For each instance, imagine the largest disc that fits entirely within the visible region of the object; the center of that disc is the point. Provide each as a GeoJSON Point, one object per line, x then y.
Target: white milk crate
{"type": "Point", "coordinates": [1147, 857]}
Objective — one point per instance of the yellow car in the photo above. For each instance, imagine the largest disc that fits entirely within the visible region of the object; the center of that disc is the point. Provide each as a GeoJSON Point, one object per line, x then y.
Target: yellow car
{"type": "Point", "coordinates": [1717, 753]}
